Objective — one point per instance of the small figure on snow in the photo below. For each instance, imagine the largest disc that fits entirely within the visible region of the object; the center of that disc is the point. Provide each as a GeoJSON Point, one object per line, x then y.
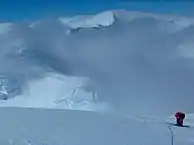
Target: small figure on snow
{"type": "Point", "coordinates": [179, 118]}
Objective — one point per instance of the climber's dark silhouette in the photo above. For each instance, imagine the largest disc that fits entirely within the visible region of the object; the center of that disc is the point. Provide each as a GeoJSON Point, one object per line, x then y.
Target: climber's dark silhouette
{"type": "Point", "coordinates": [179, 118]}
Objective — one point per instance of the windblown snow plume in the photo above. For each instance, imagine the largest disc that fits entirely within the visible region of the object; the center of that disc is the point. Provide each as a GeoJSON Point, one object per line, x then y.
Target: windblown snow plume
{"type": "Point", "coordinates": [138, 63]}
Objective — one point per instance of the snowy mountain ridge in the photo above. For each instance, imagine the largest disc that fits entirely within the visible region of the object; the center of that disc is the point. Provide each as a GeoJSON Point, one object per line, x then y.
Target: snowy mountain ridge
{"type": "Point", "coordinates": [108, 18]}
{"type": "Point", "coordinates": [104, 19]}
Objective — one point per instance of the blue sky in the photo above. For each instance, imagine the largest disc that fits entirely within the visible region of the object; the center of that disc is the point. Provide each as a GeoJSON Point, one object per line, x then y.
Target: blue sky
{"type": "Point", "coordinates": [14, 10]}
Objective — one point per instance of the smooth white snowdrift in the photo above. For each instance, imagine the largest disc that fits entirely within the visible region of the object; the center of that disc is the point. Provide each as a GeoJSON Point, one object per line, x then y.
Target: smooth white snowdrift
{"type": "Point", "coordinates": [101, 19]}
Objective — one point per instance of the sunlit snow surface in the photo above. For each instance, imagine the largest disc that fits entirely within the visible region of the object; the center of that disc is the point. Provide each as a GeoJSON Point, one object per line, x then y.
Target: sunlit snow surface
{"type": "Point", "coordinates": [60, 127]}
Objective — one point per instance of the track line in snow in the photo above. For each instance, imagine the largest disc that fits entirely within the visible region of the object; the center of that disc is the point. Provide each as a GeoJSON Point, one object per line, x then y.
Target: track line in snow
{"type": "Point", "coordinates": [172, 134]}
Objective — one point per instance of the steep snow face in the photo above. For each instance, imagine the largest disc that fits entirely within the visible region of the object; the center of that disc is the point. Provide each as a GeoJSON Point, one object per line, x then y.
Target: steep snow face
{"type": "Point", "coordinates": [103, 19]}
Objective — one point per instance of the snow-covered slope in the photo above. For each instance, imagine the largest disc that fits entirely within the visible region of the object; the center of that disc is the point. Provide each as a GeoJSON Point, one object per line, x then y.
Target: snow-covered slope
{"type": "Point", "coordinates": [51, 127]}
{"type": "Point", "coordinates": [37, 127]}
{"type": "Point", "coordinates": [135, 64]}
